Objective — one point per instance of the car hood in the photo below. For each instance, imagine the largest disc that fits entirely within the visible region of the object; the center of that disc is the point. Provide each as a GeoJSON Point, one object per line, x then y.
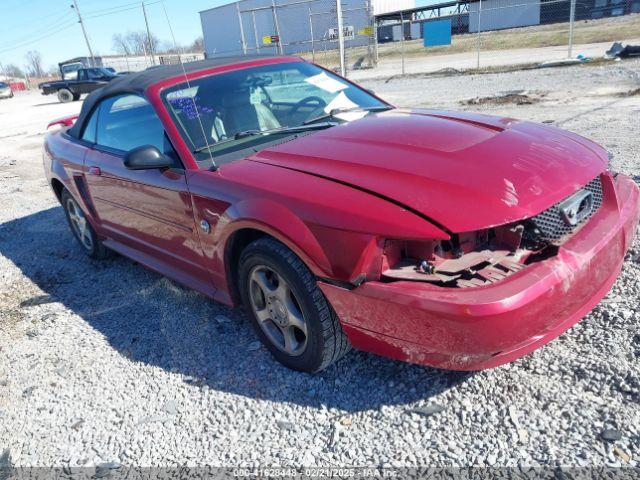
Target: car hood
{"type": "Point", "coordinates": [462, 171]}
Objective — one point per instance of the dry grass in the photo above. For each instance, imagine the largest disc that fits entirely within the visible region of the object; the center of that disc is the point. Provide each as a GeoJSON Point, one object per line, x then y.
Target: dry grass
{"type": "Point", "coordinates": [589, 31]}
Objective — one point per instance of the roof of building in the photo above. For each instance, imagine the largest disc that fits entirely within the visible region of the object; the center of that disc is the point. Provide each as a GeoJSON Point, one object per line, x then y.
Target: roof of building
{"type": "Point", "coordinates": [138, 82]}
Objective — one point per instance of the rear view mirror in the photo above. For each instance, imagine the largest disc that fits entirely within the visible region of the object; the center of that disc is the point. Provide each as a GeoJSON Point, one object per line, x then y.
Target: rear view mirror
{"type": "Point", "coordinates": [146, 157]}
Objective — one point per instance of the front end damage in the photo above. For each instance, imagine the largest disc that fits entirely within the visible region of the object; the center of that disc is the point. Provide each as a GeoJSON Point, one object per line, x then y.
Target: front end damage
{"type": "Point", "coordinates": [484, 257]}
{"type": "Point", "coordinates": [486, 298]}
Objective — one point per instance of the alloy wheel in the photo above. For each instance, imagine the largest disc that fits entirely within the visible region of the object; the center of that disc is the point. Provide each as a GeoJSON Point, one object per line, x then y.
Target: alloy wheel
{"type": "Point", "coordinates": [277, 310]}
{"type": "Point", "coordinates": [79, 224]}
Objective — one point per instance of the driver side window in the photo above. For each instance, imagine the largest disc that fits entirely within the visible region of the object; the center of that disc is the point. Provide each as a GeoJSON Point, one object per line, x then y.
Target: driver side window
{"type": "Point", "coordinates": [129, 121]}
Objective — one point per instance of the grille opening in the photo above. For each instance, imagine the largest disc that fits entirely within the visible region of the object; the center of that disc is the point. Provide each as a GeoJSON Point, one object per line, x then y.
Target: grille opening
{"type": "Point", "coordinates": [485, 257]}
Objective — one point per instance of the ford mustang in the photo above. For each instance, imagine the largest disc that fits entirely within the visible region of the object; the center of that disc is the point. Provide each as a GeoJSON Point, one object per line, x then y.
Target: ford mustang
{"type": "Point", "coordinates": [454, 240]}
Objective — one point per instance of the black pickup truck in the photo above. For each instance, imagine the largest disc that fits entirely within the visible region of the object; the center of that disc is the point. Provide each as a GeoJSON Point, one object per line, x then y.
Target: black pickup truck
{"type": "Point", "coordinates": [88, 80]}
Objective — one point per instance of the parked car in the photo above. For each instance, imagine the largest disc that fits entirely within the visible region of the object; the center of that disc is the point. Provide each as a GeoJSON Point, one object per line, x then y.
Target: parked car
{"type": "Point", "coordinates": [5, 90]}
{"type": "Point", "coordinates": [451, 239]}
{"type": "Point", "coordinates": [88, 80]}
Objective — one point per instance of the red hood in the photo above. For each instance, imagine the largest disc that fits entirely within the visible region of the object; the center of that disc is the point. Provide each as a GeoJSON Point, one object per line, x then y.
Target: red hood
{"type": "Point", "coordinates": [463, 171]}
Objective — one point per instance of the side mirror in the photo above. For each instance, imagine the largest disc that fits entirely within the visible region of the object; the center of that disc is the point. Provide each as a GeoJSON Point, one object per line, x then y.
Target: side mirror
{"type": "Point", "coordinates": [146, 157]}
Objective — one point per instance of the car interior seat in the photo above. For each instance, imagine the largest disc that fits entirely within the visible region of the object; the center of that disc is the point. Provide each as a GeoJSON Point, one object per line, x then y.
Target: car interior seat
{"type": "Point", "coordinates": [240, 113]}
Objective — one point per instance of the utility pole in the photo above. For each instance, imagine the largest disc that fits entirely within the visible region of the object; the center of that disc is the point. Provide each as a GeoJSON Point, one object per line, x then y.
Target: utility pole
{"type": "Point", "coordinates": [84, 32]}
{"type": "Point", "coordinates": [146, 21]}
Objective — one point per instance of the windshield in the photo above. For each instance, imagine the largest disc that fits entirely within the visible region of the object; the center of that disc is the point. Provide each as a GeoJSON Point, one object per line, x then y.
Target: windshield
{"type": "Point", "coordinates": [3, 85]}
{"type": "Point", "coordinates": [262, 102]}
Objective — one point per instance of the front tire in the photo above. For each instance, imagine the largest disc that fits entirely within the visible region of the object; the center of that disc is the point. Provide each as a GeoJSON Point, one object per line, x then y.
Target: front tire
{"type": "Point", "coordinates": [65, 95]}
{"type": "Point", "coordinates": [82, 229]}
{"type": "Point", "coordinates": [289, 313]}
{"type": "Point", "coordinates": [76, 97]}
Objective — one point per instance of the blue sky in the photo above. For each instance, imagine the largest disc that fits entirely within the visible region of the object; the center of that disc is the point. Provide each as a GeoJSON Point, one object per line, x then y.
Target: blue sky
{"type": "Point", "coordinates": [50, 26]}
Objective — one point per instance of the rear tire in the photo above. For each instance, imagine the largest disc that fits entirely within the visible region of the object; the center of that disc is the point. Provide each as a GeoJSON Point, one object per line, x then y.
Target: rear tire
{"type": "Point", "coordinates": [82, 229]}
{"type": "Point", "coordinates": [65, 95]}
{"type": "Point", "coordinates": [288, 311]}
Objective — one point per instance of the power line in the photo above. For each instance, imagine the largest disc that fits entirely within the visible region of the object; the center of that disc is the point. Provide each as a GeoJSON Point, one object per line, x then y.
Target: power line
{"type": "Point", "coordinates": [120, 10]}
{"type": "Point", "coordinates": [36, 21]}
{"type": "Point", "coordinates": [39, 28]}
{"type": "Point", "coordinates": [114, 7]}
{"type": "Point", "coordinates": [36, 40]}
{"type": "Point", "coordinates": [41, 31]}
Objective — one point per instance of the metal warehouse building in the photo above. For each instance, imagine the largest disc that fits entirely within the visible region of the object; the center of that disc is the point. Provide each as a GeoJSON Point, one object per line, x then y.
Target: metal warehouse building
{"type": "Point", "coordinates": [289, 26]}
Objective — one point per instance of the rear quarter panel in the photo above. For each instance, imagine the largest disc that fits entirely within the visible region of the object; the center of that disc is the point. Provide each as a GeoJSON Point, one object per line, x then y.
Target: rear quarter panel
{"type": "Point", "coordinates": [64, 162]}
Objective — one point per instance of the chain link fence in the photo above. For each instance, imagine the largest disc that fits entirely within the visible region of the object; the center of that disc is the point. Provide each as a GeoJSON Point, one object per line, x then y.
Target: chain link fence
{"type": "Point", "coordinates": [345, 36]}
{"type": "Point", "coordinates": [338, 34]}
{"type": "Point", "coordinates": [492, 34]}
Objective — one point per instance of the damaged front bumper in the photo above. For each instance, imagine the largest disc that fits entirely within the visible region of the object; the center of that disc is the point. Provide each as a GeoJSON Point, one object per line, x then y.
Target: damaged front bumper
{"type": "Point", "coordinates": [483, 327]}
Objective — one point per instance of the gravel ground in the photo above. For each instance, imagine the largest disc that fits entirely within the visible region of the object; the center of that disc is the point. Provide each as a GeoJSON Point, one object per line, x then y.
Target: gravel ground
{"type": "Point", "coordinates": [109, 362]}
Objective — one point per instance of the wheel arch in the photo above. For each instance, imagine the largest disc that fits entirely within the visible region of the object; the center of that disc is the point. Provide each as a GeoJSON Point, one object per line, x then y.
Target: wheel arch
{"type": "Point", "coordinates": [57, 187]}
{"type": "Point", "coordinates": [250, 220]}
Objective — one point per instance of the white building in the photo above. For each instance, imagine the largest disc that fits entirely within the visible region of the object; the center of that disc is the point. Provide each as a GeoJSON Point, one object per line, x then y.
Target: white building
{"type": "Point", "coordinates": [381, 7]}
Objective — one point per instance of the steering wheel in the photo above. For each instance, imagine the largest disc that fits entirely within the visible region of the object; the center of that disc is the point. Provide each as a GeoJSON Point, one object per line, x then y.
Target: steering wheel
{"type": "Point", "coordinates": [320, 103]}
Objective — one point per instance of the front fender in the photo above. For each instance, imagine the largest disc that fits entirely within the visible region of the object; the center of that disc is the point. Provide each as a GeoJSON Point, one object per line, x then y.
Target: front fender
{"type": "Point", "coordinates": [278, 221]}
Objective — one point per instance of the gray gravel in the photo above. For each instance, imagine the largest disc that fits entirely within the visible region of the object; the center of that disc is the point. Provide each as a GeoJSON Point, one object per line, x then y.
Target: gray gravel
{"type": "Point", "coordinates": [109, 363]}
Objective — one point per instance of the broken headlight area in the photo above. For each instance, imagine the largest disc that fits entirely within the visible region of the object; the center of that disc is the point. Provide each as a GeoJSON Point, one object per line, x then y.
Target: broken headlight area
{"type": "Point", "coordinates": [484, 257]}
{"type": "Point", "coordinates": [467, 260]}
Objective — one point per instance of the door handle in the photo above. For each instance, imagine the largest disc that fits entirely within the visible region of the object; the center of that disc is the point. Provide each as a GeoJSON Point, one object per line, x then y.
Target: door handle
{"type": "Point", "coordinates": [95, 171]}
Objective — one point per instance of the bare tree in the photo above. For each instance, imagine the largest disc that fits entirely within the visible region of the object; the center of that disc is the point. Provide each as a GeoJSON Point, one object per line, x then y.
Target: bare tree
{"type": "Point", "coordinates": [12, 70]}
{"type": "Point", "coordinates": [135, 43]}
{"type": "Point", "coordinates": [53, 71]}
{"type": "Point", "coordinates": [34, 63]}
{"type": "Point", "coordinates": [197, 46]}
{"type": "Point", "coordinates": [120, 44]}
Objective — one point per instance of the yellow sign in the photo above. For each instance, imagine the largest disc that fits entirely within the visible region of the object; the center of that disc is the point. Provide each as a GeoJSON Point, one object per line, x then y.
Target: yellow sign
{"type": "Point", "coordinates": [366, 31]}
{"type": "Point", "coordinates": [266, 39]}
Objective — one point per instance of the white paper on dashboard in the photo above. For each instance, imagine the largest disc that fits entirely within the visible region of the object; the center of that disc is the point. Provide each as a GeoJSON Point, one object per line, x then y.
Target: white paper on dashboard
{"type": "Point", "coordinates": [342, 102]}
{"type": "Point", "coordinates": [326, 83]}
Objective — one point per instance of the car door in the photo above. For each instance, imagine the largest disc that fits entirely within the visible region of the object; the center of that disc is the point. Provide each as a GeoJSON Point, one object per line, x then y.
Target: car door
{"type": "Point", "coordinates": [91, 80]}
{"type": "Point", "coordinates": [81, 84]}
{"type": "Point", "coordinates": [146, 214]}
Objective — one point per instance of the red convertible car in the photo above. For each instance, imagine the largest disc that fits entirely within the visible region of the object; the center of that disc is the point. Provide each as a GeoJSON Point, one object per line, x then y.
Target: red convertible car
{"type": "Point", "coordinates": [454, 240]}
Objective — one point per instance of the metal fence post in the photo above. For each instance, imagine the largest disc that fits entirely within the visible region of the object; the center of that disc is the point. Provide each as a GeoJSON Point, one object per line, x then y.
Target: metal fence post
{"type": "Point", "coordinates": [479, 29]}
{"type": "Point", "coordinates": [343, 68]}
{"type": "Point", "coordinates": [255, 31]}
{"type": "Point", "coordinates": [375, 40]}
{"type": "Point", "coordinates": [370, 47]}
{"type": "Point", "coordinates": [242, 40]}
{"type": "Point", "coordinates": [572, 17]}
{"type": "Point", "coordinates": [313, 43]}
{"type": "Point", "coordinates": [277, 25]}
{"type": "Point", "coordinates": [402, 40]}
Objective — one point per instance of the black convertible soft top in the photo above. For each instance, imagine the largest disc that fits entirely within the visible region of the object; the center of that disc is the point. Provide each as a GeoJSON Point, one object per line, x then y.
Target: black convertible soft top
{"type": "Point", "coordinates": [138, 82]}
